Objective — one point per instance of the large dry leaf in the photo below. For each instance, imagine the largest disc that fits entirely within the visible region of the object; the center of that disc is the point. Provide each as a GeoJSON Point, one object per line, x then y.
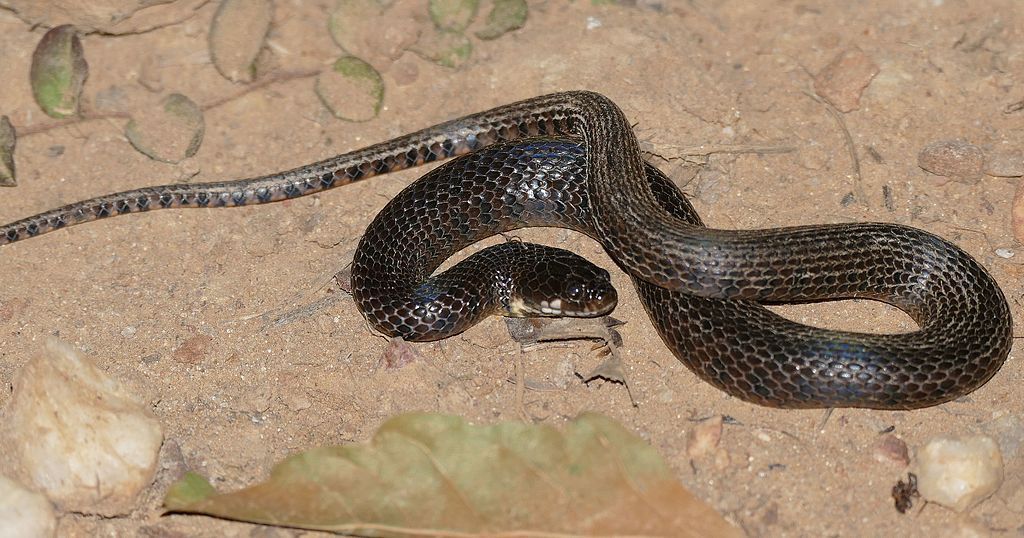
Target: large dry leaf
{"type": "Point", "coordinates": [439, 476]}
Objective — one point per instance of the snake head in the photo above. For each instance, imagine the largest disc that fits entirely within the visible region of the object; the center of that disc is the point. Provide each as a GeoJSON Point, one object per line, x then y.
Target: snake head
{"type": "Point", "coordinates": [558, 283]}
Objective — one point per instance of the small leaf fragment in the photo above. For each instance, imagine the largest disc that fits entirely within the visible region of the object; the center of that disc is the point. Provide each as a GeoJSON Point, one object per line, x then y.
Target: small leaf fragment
{"type": "Point", "coordinates": [436, 474]}
{"type": "Point", "coordinates": [170, 132]}
{"type": "Point", "coordinates": [352, 90]}
{"type": "Point", "coordinates": [505, 16]}
{"type": "Point", "coordinates": [58, 72]}
{"type": "Point", "coordinates": [237, 36]}
{"type": "Point", "coordinates": [610, 369]}
{"type": "Point", "coordinates": [8, 138]}
{"type": "Point", "coordinates": [453, 15]}
{"type": "Point", "coordinates": [191, 488]}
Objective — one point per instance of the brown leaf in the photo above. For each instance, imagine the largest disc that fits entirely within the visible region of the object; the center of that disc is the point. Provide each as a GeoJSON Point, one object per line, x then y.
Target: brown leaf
{"type": "Point", "coordinates": [439, 476]}
{"type": "Point", "coordinates": [8, 139]}
{"type": "Point", "coordinates": [843, 80]}
{"type": "Point", "coordinates": [237, 36]}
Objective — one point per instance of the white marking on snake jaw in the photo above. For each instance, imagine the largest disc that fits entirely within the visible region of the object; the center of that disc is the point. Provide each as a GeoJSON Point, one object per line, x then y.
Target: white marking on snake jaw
{"type": "Point", "coordinates": [551, 308]}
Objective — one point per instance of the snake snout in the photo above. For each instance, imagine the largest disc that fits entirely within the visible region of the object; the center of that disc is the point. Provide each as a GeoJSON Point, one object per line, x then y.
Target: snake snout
{"type": "Point", "coordinates": [601, 299]}
{"type": "Point", "coordinates": [588, 294]}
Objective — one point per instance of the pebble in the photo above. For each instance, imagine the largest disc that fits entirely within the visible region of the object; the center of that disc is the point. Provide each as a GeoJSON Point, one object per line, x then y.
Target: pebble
{"type": "Point", "coordinates": [24, 513]}
{"type": "Point", "coordinates": [892, 449]}
{"type": "Point", "coordinates": [1005, 164]}
{"type": "Point", "coordinates": [1017, 214]}
{"type": "Point", "coordinates": [81, 438]}
{"type": "Point", "coordinates": [955, 159]}
{"type": "Point", "coordinates": [704, 438]}
{"type": "Point", "coordinates": [959, 472]}
{"type": "Point", "coordinates": [844, 79]}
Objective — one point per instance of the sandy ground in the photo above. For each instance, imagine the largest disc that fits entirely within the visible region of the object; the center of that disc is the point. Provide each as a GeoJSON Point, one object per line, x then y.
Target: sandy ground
{"type": "Point", "coordinates": [178, 304]}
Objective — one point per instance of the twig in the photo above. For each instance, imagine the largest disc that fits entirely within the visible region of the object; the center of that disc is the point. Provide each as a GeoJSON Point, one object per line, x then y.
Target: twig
{"type": "Point", "coordinates": [849, 143]}
{"type": "Point", "coordinates": [282, 76]}
{"type": "Point", "coordinates": [703, 150]}
{"type": "Point", "coordinates": [521, 390]}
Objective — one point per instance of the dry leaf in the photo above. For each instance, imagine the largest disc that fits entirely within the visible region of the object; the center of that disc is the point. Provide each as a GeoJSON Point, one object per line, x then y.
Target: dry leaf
{"type": "Point", "coordinates": [237, 36]}
{"type": "Point", "coordinates": [170, 132]}
{"type": "Point", "coordinates": [352, 90]}
{"type": "Point", "coordinates": [58, 72]}
{"type": "Point", "coordinates": [437, 475]}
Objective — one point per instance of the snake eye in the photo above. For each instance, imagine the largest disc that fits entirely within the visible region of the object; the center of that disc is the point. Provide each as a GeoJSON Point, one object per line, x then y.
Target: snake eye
{"type": "Point", "coordinates": [574, 291]}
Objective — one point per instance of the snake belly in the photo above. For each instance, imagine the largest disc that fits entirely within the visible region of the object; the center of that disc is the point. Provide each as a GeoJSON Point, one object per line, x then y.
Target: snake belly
{"type": "Point", "coordinates": [736, 345]}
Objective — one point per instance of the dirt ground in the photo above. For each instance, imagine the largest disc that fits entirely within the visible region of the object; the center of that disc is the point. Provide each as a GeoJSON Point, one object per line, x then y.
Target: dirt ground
{"type": "Point", "coordinates": [179, 304]}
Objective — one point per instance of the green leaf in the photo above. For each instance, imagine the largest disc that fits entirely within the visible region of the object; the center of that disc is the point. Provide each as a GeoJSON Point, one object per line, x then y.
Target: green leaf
{"type": "Point", "coordinates": [190, 489]}
{"type": "Point", "coordinates": [437, 474]}
{"type": "Point", "coordinates": [58, 72]}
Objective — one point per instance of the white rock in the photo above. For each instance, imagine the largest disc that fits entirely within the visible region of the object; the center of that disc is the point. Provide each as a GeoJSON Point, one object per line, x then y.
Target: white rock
{"type": "Point", "coordinates": [81, 437]}
{"type": "Point", "coordinates": [959, 472]}
{"type": "Point", "coordinates": [24, 514]}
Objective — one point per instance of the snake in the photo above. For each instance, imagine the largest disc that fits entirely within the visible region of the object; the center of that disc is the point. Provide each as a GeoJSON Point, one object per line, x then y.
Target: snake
{"type": "Point", "coordinates": [571, 159]}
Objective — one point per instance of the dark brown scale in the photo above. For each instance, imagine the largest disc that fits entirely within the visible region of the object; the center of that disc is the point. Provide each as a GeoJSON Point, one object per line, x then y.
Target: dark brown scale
{"type": "Point", "coordinates": [930, 278]}
{"type": "Point", "coordinates": [738, 346]}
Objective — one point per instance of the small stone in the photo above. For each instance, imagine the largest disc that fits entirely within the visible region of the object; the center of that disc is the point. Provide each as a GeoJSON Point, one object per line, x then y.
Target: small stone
{"type": "Point", "coordinates": [843, 80]}
{"type": "Point", "coordinates": [959, 472]}
{"type": "Point", "coordinates": [1005, 164]}
{"type": "Point", "coordinates": [398, 354]}
{"type": "Point", "coordinates": [955, 159]}
{"type": "Point", "coordinates": [722, 460]}
{"type": "Point", "coordinates": [1005, 253]}
{"type": "Point", "coordinates": [564, 373]}
{"type": "Point", "coordinates": [24, 513]}
{"type": "Point", "coordinates": [193, 350]}
{"type": "Point", "coordinates": [297, 402]}
{"type": "Point", "coordinates": [892, 449]}
{"type": "Point", "coordinates": [1017, 213]}
{"type": "Point", "coordinates": [704, 438]}
{"type": "Point", "coordinates": [79, 435]}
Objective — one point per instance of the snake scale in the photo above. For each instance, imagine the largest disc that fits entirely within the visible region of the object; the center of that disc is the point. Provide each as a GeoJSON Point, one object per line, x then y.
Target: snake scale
{"type": "Point", "coordinates": [571, 159]}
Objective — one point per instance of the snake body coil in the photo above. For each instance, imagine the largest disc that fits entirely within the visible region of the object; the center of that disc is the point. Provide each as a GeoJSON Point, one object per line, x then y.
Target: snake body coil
{"type": "Point", "coordinates": [696, 283]}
